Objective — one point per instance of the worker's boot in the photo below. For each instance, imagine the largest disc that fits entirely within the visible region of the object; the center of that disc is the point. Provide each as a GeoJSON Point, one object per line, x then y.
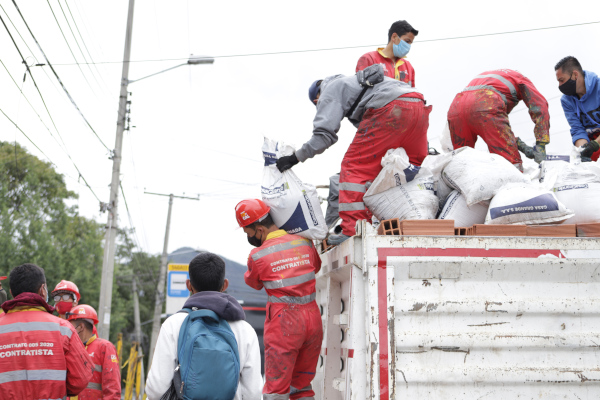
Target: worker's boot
{"type": "Point", "coordinates": [334, 240]}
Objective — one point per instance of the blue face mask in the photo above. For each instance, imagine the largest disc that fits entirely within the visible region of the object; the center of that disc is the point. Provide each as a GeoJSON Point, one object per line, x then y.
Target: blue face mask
{"type": "Point", "coordinates": [401, 49]}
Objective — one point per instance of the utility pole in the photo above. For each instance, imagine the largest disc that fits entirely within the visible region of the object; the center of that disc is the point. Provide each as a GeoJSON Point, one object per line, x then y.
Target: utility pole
{"type": "Point", "coordinates": [160, 287]}
{"type": "Point", "coordinates": [108, 262]}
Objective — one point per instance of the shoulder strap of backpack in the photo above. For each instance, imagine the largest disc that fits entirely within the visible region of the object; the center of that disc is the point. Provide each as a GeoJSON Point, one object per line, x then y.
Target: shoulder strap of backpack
{"type": "Point", "coordinates": [358, 99]}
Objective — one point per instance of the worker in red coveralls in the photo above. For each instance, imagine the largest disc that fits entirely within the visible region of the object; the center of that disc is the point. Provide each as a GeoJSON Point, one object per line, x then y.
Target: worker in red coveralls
{"type": "Point", "coordinates": [285, 265]}
{"type": "Point", "coordinates": [388, 114]}
{"type": "Point", "coordinates": [482, 109]}
{"type": "Point", "coordinates": [41, 356]}
{"type": "Point", "coordinates": [106, 381]}
{"type": "Point", "coordinates": [400, 37]}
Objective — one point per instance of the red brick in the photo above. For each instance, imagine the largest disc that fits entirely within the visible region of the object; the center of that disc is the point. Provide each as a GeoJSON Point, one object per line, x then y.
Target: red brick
{"type": "Point", "coordinates": [461, 231]}
{"type": "Point", "coordinates": [429, 227]}
{"type": "Point", "coordinates": [389, 227]}
{"type": "Point", "coordinates": [565, 230]}
{"type": "Point", "coordinates": [588, 230]}
{"type": "Point", "coordinates": [498, 230]}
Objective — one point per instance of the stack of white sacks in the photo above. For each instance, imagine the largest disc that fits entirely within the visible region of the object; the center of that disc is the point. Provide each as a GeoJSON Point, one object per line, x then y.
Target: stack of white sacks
{"type": "Point", "coordinates": [475, 187]}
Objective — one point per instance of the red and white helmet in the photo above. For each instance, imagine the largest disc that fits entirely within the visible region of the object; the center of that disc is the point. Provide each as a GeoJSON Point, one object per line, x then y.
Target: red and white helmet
{"type": "Point", "coordinates": [83, 311]}
{"type": "Point", "coordinates": [251, 210]}
{"type": "Point", "coordinates": [67, 286]}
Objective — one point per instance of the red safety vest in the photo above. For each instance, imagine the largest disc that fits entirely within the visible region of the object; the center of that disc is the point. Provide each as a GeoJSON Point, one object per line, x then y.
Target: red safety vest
{"type": "Point", "coordinates": [106, 381]}
{"type": "Point", "coordinates": [41, 356]}
{"type": "Point", "coordinates": [285, 265]}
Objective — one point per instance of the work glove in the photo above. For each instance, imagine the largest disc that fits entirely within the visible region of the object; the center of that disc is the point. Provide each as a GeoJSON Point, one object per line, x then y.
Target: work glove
{"type": "Point", "coordinates": [586, 159]}
{"type": "Point", "coordinates": [589, 148]}
{"type": "Point", "coordinates": [523, 148]}
{"type": "Point", "coordinates": [286, 162]}
{"type": "Point", "coordinates": [539, 152]}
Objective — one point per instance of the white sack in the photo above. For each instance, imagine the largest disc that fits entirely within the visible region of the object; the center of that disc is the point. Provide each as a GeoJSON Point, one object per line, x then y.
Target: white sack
{"type": "Point", "coordinates": [575, 184]}
{"type": "Point", "coordinates": [479, 175]}
{"type": "Point", "coordinates": [436, 164]}
{"type": "Point", "coordinates": [528, 204]}
{"type": "Point", "coordinates": [295, 205]}
{"type": "Point", "coordinates": [464, 216]}
{"type": "Point", "coordinates": [401, 190]}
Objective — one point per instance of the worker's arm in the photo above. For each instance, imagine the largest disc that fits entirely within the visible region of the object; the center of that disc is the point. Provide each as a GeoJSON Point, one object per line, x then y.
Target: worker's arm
{"type": "Point", "coordinates": [80, 366]}
{"type": "Point", "coordinates": [111, 374]}
{"type": "Point", "coordinates": [538, 110]}
{"type": "Point", "coordinates": [578, 133]}
{"type": "Point", "coordinates": [327, 122]}
{"type": "Point", "coordinates": [164, 361]}
{"type": "Point", "coordinates": [251, 276]}
{"type": "Point", "coordinates": [250, 385]}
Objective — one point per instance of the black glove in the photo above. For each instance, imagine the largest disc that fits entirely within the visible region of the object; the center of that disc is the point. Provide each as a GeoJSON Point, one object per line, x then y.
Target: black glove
{"type": "Point", "coordinates": [589, 148]}
{"type": "Point", "coordinates": [586, 159]}
{"type": "Point", "coordinates": [539, 152]}
{"type": "Point", "coordinates": [523, 148]}
{"type": "Point", "coordinates": [286, 162]}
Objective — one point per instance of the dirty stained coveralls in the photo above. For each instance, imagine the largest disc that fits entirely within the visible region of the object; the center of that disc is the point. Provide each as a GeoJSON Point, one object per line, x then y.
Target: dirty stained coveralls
{"type": "Point", "coordinates": [41, 356]}
{"type": "Point", "coordinates": [399, 69]}
{"type": "Point", "coordinates": [583, 114]}
{"type": "Point", "coordinates": [106, 381]}
{"type": "Point", "coordinates": [391, 114]}
{"type": "Point", "coordinates": [285, 265]}
{"type": "Point", "coordinates": [482, 109]}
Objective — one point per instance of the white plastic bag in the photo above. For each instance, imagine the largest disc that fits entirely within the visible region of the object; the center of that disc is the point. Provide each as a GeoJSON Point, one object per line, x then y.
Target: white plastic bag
{"type": "Point", "coordinates": [479, 175]}
{"type": "Point", "coordinates": [464, 216]}
{"type": "Point", "coordinates": [528, 204]}
{"type": "Point", "coordinates": [446, 139]}
{"type": "Point", "coordinates": [295, 205]}
{"type": "Point", "coordinates": [401, 190]}
{"type": "Point", "coordinates": [436, 164]}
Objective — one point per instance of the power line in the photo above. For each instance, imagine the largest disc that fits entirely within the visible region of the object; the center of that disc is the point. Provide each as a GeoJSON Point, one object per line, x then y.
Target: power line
{"type": "Point", "coordinates": [85, 46]}
{"type": "Point", "coordinates": [347, 47]}
{"type": "Point", "coordinates": [57, 77]}
{"type": "Point", "coordinates": [69, 46]}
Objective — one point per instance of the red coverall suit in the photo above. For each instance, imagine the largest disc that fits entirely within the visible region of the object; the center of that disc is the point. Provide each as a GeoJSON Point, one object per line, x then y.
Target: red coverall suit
{"type": "Point", "coordinates": [41, 356]}
{"type": "Point", "coordinates": [482, 109]}
{"type": "Point", "coordinates": [285, 265]}
{"type": "Point", "coordinates": [106, 381]}
{"type": "Point", "coordinates": [400, 69]}
{"type": "Point", "coordinates": [401, 123]}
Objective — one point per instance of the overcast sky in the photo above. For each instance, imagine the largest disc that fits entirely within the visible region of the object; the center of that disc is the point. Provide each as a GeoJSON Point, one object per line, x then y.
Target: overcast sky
{"type": "Point", "coordinates": [199, 129]}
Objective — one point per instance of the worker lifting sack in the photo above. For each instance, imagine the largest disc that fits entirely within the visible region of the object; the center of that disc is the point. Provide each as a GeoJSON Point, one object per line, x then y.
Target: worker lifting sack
{"type": "Point", "coordinates": [295, 205]}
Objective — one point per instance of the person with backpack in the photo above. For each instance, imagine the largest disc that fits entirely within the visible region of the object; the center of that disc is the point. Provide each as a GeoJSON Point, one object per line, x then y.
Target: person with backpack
{"type": "Point", "coordinates": [285, 265]}
{"type": "Point", "coordinates": [387, 113]}
{"type": "Point", "coordinates": [207, 350]}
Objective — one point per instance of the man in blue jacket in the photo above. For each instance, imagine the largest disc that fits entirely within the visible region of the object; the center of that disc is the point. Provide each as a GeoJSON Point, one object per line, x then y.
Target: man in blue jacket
{"type": "Point", "coordinates": [581, 104]}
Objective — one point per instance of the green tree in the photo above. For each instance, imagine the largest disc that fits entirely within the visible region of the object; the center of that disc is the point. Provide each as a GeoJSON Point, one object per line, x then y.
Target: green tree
{"type": "Point", "coordinates": [38, 226]}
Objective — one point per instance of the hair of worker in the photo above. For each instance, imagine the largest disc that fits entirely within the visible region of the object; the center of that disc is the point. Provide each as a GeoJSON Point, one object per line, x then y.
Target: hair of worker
{"type": "Point", "coordinates": [87, 325]}
{"type": "Point", "coordinates": [207, 272]}
{"type": "Point", "coordinates": [267, 222]}
{"type": "Point", "coordinates": [400, 28]}
{"type": "Point", "coordinates": [568, 65]}
{"type": "Point", "coordinates": [26, 278]}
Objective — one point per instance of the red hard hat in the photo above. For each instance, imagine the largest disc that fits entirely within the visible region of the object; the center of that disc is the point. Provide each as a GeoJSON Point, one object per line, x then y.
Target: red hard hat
{"type": "Point", "coordinates": [83, 311]}
{"type": "Point", "coordinates": [67, 286]}
{"type": "Point", "coordinates": [249, 211]}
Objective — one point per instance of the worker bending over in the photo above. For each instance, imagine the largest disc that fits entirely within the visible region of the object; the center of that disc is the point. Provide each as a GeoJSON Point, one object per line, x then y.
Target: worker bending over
{"type": "Point", "coordinates": [285, 265]}
{"type": "Point", "coordinates": [581, 104]}
{"type": "Point", "coordinates": [388, 114]}
{"type": "Point", "coordinates": [482, 109]}
{"type": "Point", "coordinates": [106, 381]}
{"type": "Point", "coordinates": [400, 37]}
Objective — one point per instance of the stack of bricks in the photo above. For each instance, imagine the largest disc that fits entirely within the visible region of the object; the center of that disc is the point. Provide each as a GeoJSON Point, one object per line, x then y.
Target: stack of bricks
{"type": "Point", "coordinates": [497, 230]}
{"type": "Point", "coordinates": [428, 227]}
{"type": "Point", "coordinates": [389, 227]}
{"type": "Point", "coordinates": [565, 230]}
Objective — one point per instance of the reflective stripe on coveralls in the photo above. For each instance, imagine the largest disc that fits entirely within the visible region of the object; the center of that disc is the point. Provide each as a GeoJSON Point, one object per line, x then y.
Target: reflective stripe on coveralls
{"type": "Point", "coordinates": [289, 281]}
{"type": "Point", "coordinates": [94, 386]}
{"type": "Point", "coordinates": [33, 375]}
{"type": "Point", "coordinates": [276, 248]}
{"type": "Point", "coordinates": [292, 299]}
